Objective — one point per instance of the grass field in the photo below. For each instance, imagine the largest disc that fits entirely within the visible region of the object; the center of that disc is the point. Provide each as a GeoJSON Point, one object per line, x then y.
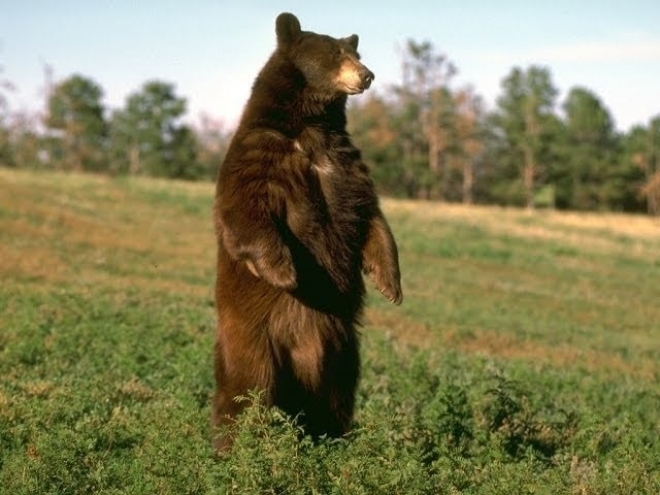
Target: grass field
{"type": "Point", "coordinates": [524, 359]}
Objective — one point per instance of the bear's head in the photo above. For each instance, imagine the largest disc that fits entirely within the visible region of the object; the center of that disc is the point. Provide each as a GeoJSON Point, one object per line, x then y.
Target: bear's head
{"type": "Point", "coordinates": [330, 66]}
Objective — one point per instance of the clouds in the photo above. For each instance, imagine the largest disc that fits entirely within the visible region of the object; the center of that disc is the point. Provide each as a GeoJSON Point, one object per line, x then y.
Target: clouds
{"type": "Point", "coordinates": [624, 48]}
{"type": "Point", "coordinates": [644, 49]}
{"type": "Point", "coordinates": [623, 69]}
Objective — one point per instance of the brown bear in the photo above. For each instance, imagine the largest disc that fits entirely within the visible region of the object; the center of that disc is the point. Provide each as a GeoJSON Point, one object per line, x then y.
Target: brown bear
{"type": "Point", "coordinates": [297, 222]}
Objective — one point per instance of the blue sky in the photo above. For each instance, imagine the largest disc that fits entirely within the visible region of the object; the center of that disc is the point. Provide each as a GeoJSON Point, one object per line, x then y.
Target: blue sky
{"type": "Point", "coordinates": [212, 50]}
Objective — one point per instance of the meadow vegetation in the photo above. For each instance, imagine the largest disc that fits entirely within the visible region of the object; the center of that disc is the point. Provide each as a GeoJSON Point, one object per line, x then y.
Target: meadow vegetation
{"type": "Point", "coordinates": [524, 358]}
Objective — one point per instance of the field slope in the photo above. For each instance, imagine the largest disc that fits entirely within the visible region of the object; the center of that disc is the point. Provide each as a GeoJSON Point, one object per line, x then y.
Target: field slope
{"type": "Point", "coordinates": [524, 359]}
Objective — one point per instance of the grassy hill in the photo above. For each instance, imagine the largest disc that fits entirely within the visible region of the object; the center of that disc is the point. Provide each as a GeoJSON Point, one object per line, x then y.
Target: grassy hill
{"type": "Point", "coordinates": [524, 359]}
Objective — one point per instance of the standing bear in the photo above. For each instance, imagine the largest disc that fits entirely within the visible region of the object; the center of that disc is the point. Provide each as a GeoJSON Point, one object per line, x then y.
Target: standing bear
{"type": "Point", "coordinates": [297, 222]}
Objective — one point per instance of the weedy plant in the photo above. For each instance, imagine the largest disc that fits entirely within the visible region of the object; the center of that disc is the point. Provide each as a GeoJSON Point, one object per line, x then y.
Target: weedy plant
{"type": "Point", "coordinates": [524, 359]}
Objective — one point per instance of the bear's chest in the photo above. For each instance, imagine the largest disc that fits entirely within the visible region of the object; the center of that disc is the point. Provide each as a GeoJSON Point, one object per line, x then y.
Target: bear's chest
{"type": "Point", "coordinates": [323, 169]}
{"type": "Point", "coordinates": [335, 192]}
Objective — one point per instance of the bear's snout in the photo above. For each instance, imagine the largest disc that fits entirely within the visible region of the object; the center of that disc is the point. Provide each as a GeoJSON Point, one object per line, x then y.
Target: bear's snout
{"type": "Point", "coordinates": [366, 77]}
{"type": "Point", "coordinates": [353, 77]}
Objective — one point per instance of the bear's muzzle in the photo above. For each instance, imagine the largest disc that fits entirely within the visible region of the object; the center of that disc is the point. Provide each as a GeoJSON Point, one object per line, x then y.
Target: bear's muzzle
{"type": "Point", "coordinates": [366, 78]}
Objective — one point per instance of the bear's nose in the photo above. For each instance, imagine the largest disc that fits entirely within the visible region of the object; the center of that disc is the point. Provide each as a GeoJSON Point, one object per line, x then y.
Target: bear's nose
{"type": "Point", "coordinates": [367, 77]}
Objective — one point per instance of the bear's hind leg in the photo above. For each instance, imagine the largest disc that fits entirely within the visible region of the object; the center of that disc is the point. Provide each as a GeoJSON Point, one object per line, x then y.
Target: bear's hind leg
{"type": "Point", "coordinates": [327, 389]}
{"type": "Point", "coordinates": [338, 394]}
{"type": "Point", "coordinates": [234, 378]}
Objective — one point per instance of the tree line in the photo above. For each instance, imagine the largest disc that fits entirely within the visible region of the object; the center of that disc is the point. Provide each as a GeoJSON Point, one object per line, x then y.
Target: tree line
{"type": "Point", "coordinates": [422, 138]}
{"type": "Point", "coordinates": [425, 139]}
{"type": "Point", "coordinates": [148, 136]}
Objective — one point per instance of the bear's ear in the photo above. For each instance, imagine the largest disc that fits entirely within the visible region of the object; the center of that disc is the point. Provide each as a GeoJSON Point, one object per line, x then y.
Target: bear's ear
{"type": "Point", "coordinates": [352, 40]}
{"type": "Point", "coordinates": [287, 28]}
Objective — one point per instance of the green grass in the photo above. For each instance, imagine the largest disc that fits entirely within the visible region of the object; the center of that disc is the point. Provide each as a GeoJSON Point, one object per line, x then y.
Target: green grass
{"type": "Point", "coordinates": [524, 358]}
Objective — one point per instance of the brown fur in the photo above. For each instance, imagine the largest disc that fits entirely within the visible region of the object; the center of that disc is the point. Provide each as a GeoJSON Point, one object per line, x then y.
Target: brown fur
{"type": "Point", "coordinates": [297, 221]}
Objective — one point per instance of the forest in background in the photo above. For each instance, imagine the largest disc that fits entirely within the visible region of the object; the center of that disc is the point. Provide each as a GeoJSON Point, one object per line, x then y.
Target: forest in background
{"type": "Point", "coordinates": [422, 138]}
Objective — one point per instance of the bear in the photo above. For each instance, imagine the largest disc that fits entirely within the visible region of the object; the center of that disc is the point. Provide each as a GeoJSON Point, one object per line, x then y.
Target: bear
{"type": "Point", "coordinates": [297, 223]}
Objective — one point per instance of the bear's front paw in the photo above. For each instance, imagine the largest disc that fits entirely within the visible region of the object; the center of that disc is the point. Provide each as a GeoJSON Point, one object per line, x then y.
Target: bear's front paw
{"type": "Point", "coordinates": [278, 271]}
{"type": "Point", "coordinates": [389, 284]}
{"type": "Point", "coordinates": [392, 292]}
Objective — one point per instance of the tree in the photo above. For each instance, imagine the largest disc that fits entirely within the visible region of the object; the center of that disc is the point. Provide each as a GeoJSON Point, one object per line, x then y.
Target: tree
{"type": "Point", "coordinates": [523, 120]}
{"type": "Point", "coordinates": [182, 161]}
{"type": "Point", "coordinates": [25, 144]}
{"type": "Point", "coordinates": [78, 127]}
{"type": "Point", "coordinates": [426, 106]}
{"type": "Point", "coordinates": [148, 138]}
{"type": "Point", "coordinates": [19, 142]}
{"type": "Point", "coordinates": [5, 147]}
{"type": "Point", "coordinates": [592, 179]}
{"type": "Point", "coordinates": [213, 139]}
{"type": "Point", "coordinates": [643, 150]}
{"type": "Point", "coordinates": [372, 125]}
{"type": "Point", "coordinates": [469, 118]}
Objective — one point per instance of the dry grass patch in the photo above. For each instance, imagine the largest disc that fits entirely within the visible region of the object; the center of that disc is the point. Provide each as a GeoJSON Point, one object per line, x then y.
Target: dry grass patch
{"type": "Point", "coordinates": [612, 223]}
{"type": "Point", "coordinates": [597, 232]}
{"type": "Point", "coordinates": [95, 230]}
{"type": "Point", "coordinates": [506, 346]}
